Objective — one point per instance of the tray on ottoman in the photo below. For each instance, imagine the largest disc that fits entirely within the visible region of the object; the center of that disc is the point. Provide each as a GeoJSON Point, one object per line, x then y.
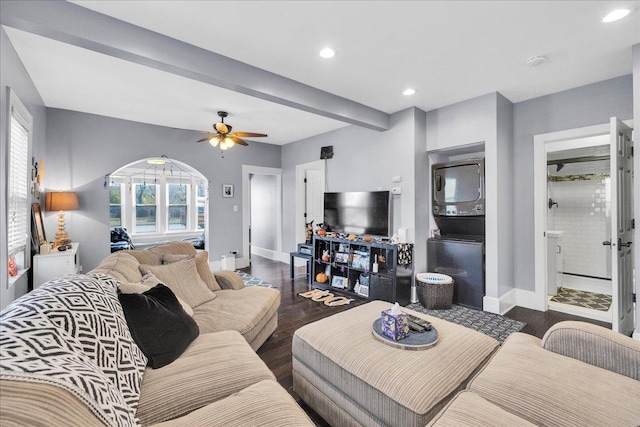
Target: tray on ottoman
{"type": "Point", "coordinates": [350, 378]}
{"type": "Point", "coordinates": [415, 340]}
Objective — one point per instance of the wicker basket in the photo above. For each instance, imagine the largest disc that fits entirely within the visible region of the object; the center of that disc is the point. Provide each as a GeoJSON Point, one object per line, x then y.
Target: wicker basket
{"type": "Point", "coordinates": [435, 291]}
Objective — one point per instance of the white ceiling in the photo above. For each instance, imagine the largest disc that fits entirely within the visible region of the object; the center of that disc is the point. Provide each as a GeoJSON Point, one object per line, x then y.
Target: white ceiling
{"type": "Point", "coordinates": [448, 51]}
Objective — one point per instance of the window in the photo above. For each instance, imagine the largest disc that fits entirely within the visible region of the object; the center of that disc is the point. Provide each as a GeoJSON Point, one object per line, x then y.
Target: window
{"type": "Point", "coordinates": [115, 204]}
{"type": "Point", "coordinates": [153, 201]}
{"type": "Point", "coordinates": [201, 200]}
{"type": "Point", "coordinates": [20, 125]}
{"type": "Point", "coordinates": [145, 208]}
{"type": "Point", "coordinates": [177, 206]}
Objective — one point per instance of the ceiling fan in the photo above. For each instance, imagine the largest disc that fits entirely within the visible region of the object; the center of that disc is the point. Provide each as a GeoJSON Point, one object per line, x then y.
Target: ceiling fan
{"type": "Point", "coordinates": [225, 137]}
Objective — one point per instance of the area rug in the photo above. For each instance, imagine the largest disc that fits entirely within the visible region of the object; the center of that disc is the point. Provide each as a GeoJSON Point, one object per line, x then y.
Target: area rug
{"type": "Point", "coordinates": [493, 325]}
{"type": "Point", "coordinates": [600, 302]}
{"type": "Point", "coordinates": [250, 280]}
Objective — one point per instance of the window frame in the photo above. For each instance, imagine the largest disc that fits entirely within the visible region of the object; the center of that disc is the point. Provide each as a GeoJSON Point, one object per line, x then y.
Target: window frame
{"type": "Point", "coordinates": [17, 110]}
{"type": "Point", "coordinates": [161, 182]}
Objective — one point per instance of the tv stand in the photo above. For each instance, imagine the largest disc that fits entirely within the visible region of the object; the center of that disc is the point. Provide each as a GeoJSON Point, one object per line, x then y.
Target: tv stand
{"type": "Point", "coordinates": [346, 262]}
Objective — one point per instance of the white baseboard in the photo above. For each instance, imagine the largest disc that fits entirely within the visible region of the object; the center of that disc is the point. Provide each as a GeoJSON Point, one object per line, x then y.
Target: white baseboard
{"type": "Point", "coordinates": [217, 265]}
{"type": "Point", "coordinates": [513, 298]}
{"type": "Point", "coordinates": [270, 254]}
{"type": "Point", "coordinates": [527, 299]}
{"type": "Point", "coordinates": [636, 335]}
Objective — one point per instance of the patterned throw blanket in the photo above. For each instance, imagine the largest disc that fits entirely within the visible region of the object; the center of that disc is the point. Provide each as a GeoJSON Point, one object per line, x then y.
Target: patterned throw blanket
{"type": "Point", "coordinates": [72, 333]}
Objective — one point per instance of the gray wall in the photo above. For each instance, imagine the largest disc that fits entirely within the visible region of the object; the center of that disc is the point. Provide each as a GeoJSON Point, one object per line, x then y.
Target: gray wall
{"type": "Point", "coordinates": [14, 75]}
{"type": "Point", "coordinates": [263, 211]}
{"type": "Point", "coordinates": [364, 160]}
{"type": "Point", "coordinates": [580, 107]}
{"type": "Point", "coordinates": [83, 148]}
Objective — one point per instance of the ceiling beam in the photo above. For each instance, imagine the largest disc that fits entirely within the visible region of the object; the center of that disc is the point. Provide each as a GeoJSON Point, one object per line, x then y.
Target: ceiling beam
{"type": "Point", "coordinates": [72, 24]}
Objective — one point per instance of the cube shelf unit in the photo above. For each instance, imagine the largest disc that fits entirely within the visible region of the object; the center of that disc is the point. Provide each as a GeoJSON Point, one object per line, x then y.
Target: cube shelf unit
{"type": "Point", "coordinates": [349, 259]}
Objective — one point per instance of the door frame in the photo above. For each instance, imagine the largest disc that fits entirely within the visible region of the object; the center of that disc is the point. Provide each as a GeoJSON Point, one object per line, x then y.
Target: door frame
{"type": "Point", "coordinates": [247, 171]}
{"type": "Point", "coordinates": [301, 170]}
{"type": "Point", "coordinates": [541, 142]}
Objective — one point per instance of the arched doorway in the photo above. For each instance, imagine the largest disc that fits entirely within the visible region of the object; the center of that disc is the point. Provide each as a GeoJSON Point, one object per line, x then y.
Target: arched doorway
{"type": "Point", "coordinates": [157, 200]}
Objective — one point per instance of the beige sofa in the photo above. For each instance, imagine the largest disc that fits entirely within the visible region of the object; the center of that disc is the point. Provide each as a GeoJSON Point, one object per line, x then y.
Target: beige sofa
{"type": "Point", "coordinates": [219, 303]}
{"type": "Point", "coordinates": [579, 374]}
{"type": "Point", "coordinates": [67, 356]}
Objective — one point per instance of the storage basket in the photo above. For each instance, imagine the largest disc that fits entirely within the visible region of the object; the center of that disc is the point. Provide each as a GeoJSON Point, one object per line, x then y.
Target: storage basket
{"type": "Point", "coordinates": [435, 290]}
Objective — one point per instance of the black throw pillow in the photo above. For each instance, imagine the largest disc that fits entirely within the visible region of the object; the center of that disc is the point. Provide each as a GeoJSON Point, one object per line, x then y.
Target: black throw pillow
{"type": "Point", "coordinates": [158, 324]}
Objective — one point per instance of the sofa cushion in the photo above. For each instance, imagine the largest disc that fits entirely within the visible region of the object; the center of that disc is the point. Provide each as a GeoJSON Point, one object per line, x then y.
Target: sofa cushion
{"type": "Point", "coordinates": [185, 248]}
{"type": "Point", "coordinates": [265, 404]}
{"type": "Point", "coordinates": [213, 367]}
{"type": "Point", "coordinates": [43, 404]}
{"type": "Point", "coordinates": [595, 345]}
{"type": "Point", "coordinates": [120, 265]}
{"type": "Point", "coordinates": [468, 409]}
{"type": "Point", "coordinates": [148, 282]}
{"type": "Point", "coordinates": [229, 279]}
{"type": "Point", "coordinates": [183, 279]}
{"type": "Point", "coordinates": [202, 264]}
{"type": "Point", "coordinates": [145, 256]}
{"type": "Point", "coordinates": [158, 324]}
{"type": "Point", "coordinates": [243, 310]}
{"type": "Point", "coordinates": [546, 388]}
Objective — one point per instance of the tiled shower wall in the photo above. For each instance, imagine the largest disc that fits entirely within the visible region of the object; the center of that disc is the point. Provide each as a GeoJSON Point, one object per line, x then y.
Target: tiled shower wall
{"type": "Point", "coordinates": [583, 213]}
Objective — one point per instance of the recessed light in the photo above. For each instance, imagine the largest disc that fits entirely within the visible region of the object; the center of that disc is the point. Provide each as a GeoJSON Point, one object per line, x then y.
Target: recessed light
{"type": "Point", "coordinates": [327, 53]}
{"type": "Point", "coordinates": [615, 15]}
{"type": "Point", "coordinates": [408, 92]}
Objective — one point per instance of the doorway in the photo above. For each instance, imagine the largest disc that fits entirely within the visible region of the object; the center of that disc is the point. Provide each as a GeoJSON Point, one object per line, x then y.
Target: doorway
{"type": "Point", "coordinates": [585, 152]}
{"type": "Point", "coordinates": [262, 175]}
{"type": "Point", "coordinates": [578, 225]}
{"type": "Point", "coordinates": [310, 188]}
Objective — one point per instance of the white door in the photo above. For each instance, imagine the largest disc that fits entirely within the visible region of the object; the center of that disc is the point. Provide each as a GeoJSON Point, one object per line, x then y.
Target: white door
{"type": "Point", "coordinates": [622, 226]}
{"type": "Point", "coordinates": [314, 196]}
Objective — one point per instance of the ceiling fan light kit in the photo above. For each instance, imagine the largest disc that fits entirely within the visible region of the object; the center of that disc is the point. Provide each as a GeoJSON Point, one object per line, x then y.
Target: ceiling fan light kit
{"type": "Point", "coordinates": [224, 137]}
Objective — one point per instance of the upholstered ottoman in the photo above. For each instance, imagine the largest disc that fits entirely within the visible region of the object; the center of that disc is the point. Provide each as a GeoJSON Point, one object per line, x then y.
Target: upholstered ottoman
{"type": "Point", "coordinates": [350, 378]}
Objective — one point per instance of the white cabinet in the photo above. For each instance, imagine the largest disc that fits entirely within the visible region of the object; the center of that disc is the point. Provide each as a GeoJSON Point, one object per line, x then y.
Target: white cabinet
{"type": "Point", "coordinates": [55, 264]}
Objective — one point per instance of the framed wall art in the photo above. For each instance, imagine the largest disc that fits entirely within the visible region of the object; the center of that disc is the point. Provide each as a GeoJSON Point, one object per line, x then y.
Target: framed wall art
{"type": "Point", "coordinates": [227, 190]}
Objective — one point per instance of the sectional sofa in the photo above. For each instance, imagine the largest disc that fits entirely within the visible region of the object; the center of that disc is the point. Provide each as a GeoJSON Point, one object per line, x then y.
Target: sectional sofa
{"type": "Point", "coordinates": [71, 351]}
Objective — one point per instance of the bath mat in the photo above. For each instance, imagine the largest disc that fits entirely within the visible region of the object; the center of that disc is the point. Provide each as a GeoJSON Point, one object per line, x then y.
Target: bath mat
{"type": "Point", "coordinates": [595, 301]}
{"type": "Point", "coordinates": [324, 296]}
{"type": "Point", "coordinates": [250, 280]}
{"type": "Point", "coordinates": [491, 324]}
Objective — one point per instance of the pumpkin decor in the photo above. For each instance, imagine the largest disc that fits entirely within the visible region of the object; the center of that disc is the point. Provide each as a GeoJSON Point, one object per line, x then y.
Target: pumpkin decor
{"type": "Point", "coordinates": [321, 278]}
{"type": "Point", "coordinates": [13, 267]}
{"type": "Point", "coordinates": [322, 232]}
{"type": "Point", "coordinates": [367, 238]}
{"type": "Point", "coordinates": [352, 237]}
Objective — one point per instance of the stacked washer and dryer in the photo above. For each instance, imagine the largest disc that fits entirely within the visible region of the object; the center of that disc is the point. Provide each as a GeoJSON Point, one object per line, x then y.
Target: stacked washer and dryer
{"type": "Point", "coordinates": [458, 207]}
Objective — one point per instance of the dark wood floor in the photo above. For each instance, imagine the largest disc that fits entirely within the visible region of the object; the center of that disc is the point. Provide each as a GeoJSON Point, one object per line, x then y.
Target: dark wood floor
{"type": "Point", "coordinates": [296, 311]}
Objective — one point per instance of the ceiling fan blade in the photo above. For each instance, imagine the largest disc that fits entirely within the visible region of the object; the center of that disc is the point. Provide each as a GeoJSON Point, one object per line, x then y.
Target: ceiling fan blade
{"type": "Point", "coordinates": [221, 127]}
{"type": "Point", "coordinates": [208, 137]}
{"type": "Point", "coordinates": [250, 134]}
{"type": "Point", "coordinates": [238, 140]}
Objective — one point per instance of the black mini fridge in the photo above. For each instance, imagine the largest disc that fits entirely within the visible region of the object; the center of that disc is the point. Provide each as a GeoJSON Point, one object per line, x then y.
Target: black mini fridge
{"type": "Point", "coordinates": [462, 259]}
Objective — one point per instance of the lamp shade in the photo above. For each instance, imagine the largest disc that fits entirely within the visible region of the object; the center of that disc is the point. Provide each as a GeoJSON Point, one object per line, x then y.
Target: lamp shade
{"type": "Point", "coordinates": [61, 201]}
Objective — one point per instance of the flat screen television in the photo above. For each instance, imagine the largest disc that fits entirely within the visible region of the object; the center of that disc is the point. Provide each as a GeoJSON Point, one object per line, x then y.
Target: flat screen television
{"type": "Point", "coordinates": [358, 212]}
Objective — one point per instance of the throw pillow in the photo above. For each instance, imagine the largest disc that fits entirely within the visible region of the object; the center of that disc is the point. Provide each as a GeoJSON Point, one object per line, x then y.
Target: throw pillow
{"type": "Point", "coordinates": [148, 282]}
{"type": "Point", "coordinates": [183, 279]}
{"type": "Point", "coordinates": [158, 324]}
{"type": "Point", "coordinates": [202, 265]}
{"type": "Point", "coordinates": [229, 279]}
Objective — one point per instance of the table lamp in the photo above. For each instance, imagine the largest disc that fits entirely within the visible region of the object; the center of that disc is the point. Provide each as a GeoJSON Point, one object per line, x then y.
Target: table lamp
{"type": "Point", "coordinates": [61, 201]}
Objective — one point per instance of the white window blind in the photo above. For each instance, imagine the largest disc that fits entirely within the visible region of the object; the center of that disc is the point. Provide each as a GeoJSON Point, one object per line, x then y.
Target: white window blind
{"type": "Point", "coordinates": [18, 177]}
